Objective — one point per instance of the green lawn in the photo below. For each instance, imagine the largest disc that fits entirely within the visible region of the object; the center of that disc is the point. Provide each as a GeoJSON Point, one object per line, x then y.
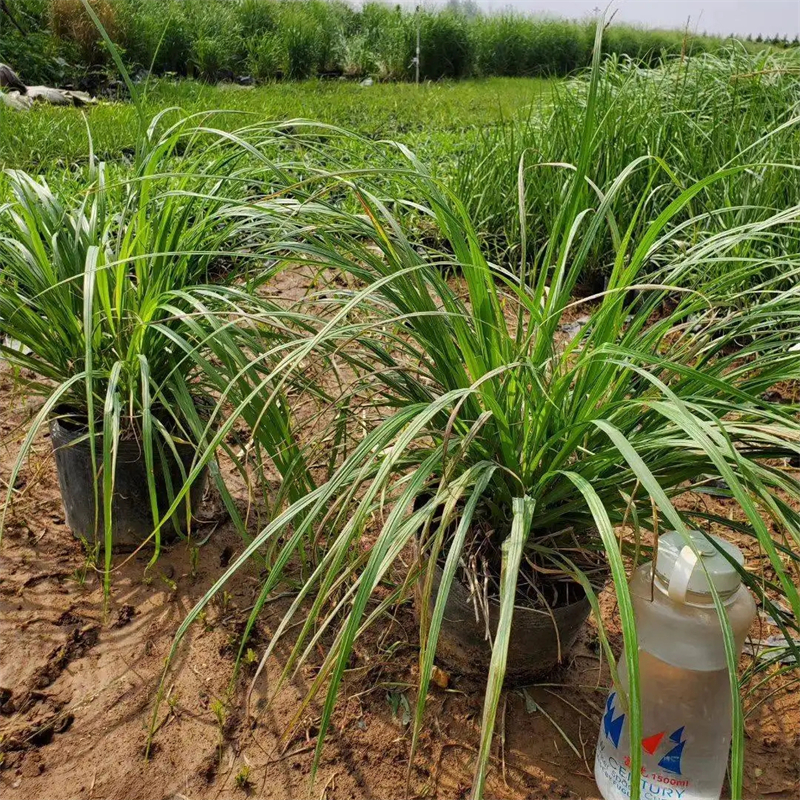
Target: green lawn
{"type": "Point", "coordinates": [430, 118]}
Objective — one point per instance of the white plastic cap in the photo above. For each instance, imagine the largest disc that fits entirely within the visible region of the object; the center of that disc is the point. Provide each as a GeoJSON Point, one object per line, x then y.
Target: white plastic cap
{"type": "Point", "coordinates": [679, 568]}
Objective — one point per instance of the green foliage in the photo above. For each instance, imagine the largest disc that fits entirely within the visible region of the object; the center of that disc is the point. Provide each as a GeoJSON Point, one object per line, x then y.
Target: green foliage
{"type": "Point", "coordinates": [515, 45]}
{"type": "Point", "coordinates": [334, 20]}
{"type": "Point", "coordinates": [70, 22]}
{"type": "Point", "coordinates": [221, 38]}
{"type": "Point", "coordinates": [155, 33]}
{"type": "Point", "coordinates": [494, 435]}
{"type": "Point", "coordinates": [114, 301]}
{"type": "Point", "coordinates": [242, 779]}
{"type": "Point", "coordinates": [264, 57]}
{"type": "Point", "coordinates": [209, 56]}
{"type": "Point", "coordinates": [302, 38]}
{"type": "Point", "coordinates": [382, 45]}
{"type": "Point", "coordinates": [36, 55]}
{"type": "Point", "coordinates": [445, 46]}
{"type": "Point", "coordinates": [699, 114]}
{"type": "Point", "coordinates": [439, 119]}
{"type": "Point", "coordinates": [258, 16]}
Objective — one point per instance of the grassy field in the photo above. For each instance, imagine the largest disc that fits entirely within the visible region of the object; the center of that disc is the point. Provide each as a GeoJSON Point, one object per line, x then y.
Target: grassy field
{"type": "Point", "coordinates": [435, 118]}
{"type": "Point", "coordinates": [733, 116]}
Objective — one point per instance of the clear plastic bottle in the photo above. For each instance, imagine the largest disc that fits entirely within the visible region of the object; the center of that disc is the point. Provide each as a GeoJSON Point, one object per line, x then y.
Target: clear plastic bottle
{"type": "Point", "coordinates": [684, 681]}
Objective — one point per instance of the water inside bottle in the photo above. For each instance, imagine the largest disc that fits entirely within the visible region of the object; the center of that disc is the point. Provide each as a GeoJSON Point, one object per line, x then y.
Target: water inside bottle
{"type": "Point", "coordinates": [685, 734]}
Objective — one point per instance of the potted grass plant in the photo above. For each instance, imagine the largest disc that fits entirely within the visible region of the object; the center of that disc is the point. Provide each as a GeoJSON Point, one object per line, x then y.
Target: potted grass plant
{"type": "Point", "coordinates": [520, 461]}
{"type": "Point", "coordinates": [509, 455]}
{"type": "Point", "coordinates": [113, 309]}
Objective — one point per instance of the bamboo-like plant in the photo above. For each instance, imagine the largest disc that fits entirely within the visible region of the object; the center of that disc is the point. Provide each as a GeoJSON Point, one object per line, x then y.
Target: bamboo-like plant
{"type": "Point", "coordinates": [499, 434]}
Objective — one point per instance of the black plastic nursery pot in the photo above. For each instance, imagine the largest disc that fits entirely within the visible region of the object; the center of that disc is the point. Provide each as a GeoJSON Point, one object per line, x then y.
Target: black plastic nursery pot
{"type": "Point", "coordinates": [538, 637]}
{"type": "Point", "coordinates": [131, 515]}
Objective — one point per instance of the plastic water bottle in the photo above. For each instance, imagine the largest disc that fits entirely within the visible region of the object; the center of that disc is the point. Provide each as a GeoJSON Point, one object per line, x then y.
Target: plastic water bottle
{"type": "Point", "coordinates": [685, 685]}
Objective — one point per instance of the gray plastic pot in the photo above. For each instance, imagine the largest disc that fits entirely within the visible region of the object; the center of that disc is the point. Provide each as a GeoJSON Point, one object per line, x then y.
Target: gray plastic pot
{"type": "Point", "coordinates": [131, 517]}
{"type": "Point", "coordinates": [533, 648]}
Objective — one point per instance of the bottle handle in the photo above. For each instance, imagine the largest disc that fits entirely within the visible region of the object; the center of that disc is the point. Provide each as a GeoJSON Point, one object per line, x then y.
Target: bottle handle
{"type": "Point", "coordinates": [681, 573]}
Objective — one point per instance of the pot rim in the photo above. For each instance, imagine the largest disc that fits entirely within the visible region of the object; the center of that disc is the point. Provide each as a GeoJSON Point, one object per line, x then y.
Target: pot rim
{"type": "Point", "coordinates": [71, 419]}
{"type": "Point", "coordinates": [583, 600]}
{"type": "Point", "coordinates": [78, 436]}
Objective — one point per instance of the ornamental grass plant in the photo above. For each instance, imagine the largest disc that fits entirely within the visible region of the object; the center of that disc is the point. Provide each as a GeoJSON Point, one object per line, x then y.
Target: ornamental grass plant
{"type": "Point", "coordinates": [555, 459]}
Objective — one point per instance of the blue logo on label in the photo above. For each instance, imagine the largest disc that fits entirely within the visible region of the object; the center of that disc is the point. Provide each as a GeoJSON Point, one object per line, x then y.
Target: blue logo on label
{"type": "Point", "coordinates": [612, 726]}
{"type": "Point", "coordinates": [672, 760]}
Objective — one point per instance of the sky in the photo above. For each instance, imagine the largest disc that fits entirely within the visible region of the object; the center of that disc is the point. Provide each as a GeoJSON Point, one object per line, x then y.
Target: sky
{"type": "Point", "coordinates": [740, 17]}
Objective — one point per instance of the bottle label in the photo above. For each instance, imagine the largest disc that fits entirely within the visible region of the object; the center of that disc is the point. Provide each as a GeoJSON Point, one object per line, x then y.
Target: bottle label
{"type": "Point", "coordinates": [661, 771]}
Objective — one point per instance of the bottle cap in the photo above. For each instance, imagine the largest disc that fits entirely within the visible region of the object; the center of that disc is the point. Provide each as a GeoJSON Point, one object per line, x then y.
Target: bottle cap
{"type": "Point", "coordinates": [678, 567]}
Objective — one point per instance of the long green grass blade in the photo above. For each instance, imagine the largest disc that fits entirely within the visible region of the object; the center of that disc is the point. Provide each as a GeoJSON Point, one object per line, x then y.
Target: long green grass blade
{"type": "Point", "coordinates": [523, 509]}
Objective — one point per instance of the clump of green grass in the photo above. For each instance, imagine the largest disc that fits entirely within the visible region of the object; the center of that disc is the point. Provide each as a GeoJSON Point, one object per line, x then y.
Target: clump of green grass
{"type": "Point", "coordinates": [515, 45]}
{"type": "Point", "coordinates": [115, 301]}
{"type": "Point", "coordinates": [242, 780]}
{"type": "Point", "coordinates": [698, 115]}
{"type": "Point", "coordinates": [491, 434]}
